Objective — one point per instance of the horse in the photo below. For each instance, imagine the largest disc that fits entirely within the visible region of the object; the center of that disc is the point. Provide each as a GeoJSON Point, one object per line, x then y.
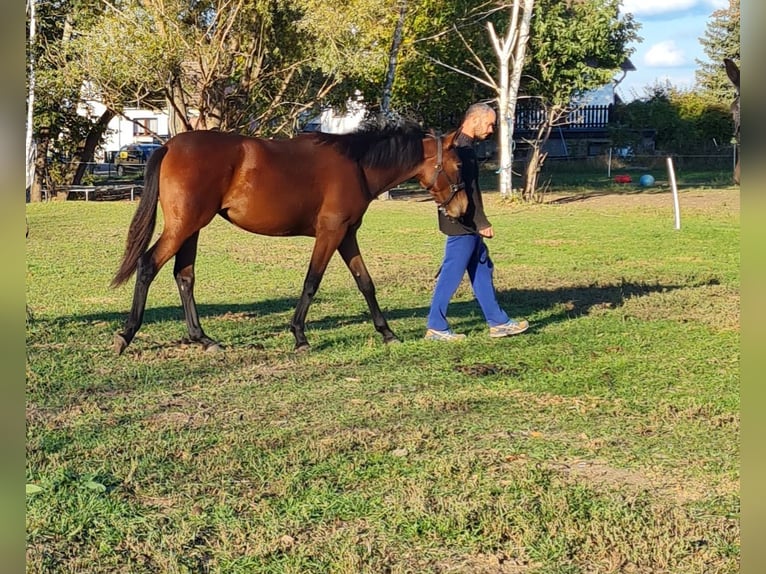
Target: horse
{"type": "Point", "coordinates": [732, 71]}
{"type": "Point", "coordinates": [316, 184]}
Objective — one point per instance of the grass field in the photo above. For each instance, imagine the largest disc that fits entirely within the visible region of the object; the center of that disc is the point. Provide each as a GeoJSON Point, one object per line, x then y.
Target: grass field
{"type": "Point", "coordinates": [605, 439]}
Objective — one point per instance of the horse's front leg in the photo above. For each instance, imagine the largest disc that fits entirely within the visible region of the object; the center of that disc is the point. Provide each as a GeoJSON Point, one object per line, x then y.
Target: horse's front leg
{"type": "Point", "coordinates": [324, 246]}
{"type": "Point", "coordinates": [349, 251]}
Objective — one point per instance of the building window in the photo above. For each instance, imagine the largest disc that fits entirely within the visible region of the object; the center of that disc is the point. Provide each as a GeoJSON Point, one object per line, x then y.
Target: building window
{"type": "Point", "coordinates": [144, 126]}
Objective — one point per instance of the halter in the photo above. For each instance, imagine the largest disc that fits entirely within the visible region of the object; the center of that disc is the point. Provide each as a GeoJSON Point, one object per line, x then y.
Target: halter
{"type": "Point", "coordinates": [454, 187]}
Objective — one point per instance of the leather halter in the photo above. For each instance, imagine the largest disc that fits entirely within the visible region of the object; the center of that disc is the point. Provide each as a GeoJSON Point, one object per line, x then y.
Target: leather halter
{"type": "Point", "coordinates": [454, 187]}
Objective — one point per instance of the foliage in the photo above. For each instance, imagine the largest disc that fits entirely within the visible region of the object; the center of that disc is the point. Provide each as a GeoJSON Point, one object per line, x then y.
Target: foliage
{"type": "Point", "coordinates": [721, 40]}
{"type": "Point", "coordinates": [574, 47]}
{"type": "Point", "coordinates": [606, 439]}
{"type": "Point", "coordinates": [445, 32]}
{"type": "Point", "coordinates": [683, 121]}
{"type": "Point", "coordinates": [225, 64]}
{"type": "Point", "coordinates": [58, 90]}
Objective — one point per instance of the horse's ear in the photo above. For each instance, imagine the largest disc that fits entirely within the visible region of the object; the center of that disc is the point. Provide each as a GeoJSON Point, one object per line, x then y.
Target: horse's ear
{"type": "Point", "coordinates": [732, 70]}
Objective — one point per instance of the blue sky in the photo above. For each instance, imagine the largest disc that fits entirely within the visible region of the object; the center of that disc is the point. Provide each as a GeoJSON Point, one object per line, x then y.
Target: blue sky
{"type": "Point", "coordinates": [670, 30]}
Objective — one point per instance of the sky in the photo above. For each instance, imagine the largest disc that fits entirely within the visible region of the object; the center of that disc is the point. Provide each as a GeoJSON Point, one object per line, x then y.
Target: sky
{"type": "Point", "coordinates": [670, 32]}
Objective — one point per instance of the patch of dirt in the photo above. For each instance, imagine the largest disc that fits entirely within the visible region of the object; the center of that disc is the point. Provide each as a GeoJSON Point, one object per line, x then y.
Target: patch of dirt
{"type": "Point", "coordinates": [599, 474]}
{"type": "Point", "coordinates": [727, 199]}
{"type": "Point", "coordinates": [716, 306]}
{"type": "Point", "coordinates": [483, 564]}
{"type": "Point", "coordinates": [721, 199]}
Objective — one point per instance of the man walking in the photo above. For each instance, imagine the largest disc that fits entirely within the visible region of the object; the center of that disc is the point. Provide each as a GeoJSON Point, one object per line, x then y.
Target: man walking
{"type": "Point", "coordinates": [465, 250]}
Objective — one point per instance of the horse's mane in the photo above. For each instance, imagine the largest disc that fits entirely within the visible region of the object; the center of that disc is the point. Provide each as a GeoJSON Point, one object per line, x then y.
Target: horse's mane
{"type": "Point", "coordinates": [374, 146]}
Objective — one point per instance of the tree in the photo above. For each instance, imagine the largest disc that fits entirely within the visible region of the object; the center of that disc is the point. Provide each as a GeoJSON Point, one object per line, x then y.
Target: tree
{"type": "Point", "coordinates": [513, 45]}
{"type": "Point", "coordinates": [232, 63]}
{"type": "Point", "coordinates": [575, 46]}
{"type": "Point", "coordinates": [501, 78]}
{"type": "Point", "coordinates": [58, 130]}
{"type": "Point", "coordinates": [720, 40]}
{"type": "Point", "coordinates": [438, 38]}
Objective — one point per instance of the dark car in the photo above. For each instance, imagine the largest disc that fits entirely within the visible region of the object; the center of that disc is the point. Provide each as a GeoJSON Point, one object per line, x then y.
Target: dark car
{"type": "Point", "coordinates": [133, 157]}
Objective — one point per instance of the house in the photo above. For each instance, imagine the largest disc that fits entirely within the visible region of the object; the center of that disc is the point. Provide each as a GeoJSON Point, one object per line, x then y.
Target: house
{"type": "Point", "coordinates": [334, 121]}
{"type": "Point", "coordinates": [135, 125]}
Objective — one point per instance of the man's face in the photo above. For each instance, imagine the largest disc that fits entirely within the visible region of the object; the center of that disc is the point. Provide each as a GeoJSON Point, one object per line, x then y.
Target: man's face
{"type": "Point", "coordinates": [485, 125]}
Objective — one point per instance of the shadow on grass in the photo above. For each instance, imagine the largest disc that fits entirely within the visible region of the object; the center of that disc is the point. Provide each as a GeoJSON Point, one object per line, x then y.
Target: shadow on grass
{"type": "Point", "coordinates": [564, 302]}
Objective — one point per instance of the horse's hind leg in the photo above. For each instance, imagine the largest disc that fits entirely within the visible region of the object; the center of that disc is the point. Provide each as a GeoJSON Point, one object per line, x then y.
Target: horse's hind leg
{"type": "Point", "coordinates": [349, 251]}
{"type": "Point", "coordinates": [146, 271]}
{"type": "Point", "coordinates": [147, 267]}
{"type": "Point", "coordinates": [183, 271]}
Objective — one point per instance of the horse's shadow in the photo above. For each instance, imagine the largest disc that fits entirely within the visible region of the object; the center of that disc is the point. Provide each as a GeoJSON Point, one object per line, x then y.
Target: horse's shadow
{"type": "Point", "coordinates": [555, 305]}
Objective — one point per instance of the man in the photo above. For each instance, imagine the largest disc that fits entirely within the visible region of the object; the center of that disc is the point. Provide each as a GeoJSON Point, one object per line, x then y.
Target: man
{"type": "Point", "coordinates": [465, 249]}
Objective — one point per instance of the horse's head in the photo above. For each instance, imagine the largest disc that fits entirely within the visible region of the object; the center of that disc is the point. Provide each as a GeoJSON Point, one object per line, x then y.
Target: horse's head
{"type": "Point", "coordinates": [440, 174]}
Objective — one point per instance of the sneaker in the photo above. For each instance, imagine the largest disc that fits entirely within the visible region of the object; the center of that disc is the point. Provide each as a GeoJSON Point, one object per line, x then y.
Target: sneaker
{"type": "Point", "coordinates": [434, 335]}
{"type": "Point", "coordinates": [510, 328]}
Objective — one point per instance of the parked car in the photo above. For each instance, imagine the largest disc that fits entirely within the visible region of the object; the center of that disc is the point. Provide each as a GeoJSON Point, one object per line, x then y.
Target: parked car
{"type": "Point", "coordinates": [133, 157]}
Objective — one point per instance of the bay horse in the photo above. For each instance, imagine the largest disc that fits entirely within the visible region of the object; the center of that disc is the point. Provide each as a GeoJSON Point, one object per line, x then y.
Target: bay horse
{"type": "Point", "coordinates": [732, 71]}
{"type": "Point", "coordinates": [317, 185]}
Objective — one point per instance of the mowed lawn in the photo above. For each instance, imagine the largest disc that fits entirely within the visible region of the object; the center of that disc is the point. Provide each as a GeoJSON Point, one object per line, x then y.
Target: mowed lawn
{"type": "Point", "coordinates": [605, 439]}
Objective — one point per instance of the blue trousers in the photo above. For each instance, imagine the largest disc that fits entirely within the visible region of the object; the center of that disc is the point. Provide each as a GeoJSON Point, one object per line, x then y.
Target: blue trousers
{"type": "Point", "coordinates": [465, 253]}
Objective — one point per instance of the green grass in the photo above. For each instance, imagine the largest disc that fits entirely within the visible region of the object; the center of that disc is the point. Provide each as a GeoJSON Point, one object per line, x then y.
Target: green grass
{"type": "Point", "coordinates": [603, 440]}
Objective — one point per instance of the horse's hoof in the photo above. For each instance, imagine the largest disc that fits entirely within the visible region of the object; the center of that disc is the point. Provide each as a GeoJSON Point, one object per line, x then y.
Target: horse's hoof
{"type": "Point", "coordinates": [214, 348]}
{"type": "Point", "coordinates": [392, 341]}
{"type": "Point", "coordinates": [120, 344]}
{"type": "Point", "coordinates": [303, 348]}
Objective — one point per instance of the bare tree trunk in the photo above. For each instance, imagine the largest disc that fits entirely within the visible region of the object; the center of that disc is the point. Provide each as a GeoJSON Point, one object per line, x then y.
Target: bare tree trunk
{"type": "Point", "coordinates": [537, 156]}
{"type": "Point", "coordinates": [177, 112]}
{"type": "Point", "coordinates": [36, 189]}
{"type": "Point", "coordinates": [393, 56]}
{"type": "Point", "coordinates": [91, 142]}
{"type": "Point", "coordinates": [31, 96]}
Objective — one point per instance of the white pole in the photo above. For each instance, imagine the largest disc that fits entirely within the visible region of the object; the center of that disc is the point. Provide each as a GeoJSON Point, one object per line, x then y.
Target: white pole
{"type": "Point", "coordinates": [609, 164]}
{"type": "Point", "coordinates": [674, 188]}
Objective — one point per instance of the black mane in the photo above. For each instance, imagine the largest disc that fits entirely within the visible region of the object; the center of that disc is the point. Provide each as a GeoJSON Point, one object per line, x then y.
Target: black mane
{"type": "Point", "coordinates": [380, 147]}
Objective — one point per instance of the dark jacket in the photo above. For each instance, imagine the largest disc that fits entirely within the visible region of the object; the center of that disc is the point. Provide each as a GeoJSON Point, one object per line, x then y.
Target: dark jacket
{"type": "Point", "coordinates": [474, 217]}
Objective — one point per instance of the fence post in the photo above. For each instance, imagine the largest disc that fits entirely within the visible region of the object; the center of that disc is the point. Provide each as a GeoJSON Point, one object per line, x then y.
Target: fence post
{"type": "Point", "coordinates": [674, 188]}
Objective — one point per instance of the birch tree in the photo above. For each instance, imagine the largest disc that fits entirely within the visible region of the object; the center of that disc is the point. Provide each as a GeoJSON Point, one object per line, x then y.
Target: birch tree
{"type": "Point", "coordinates": [510, 50]}
{"type": "Point", "coordinates": [28, 140]}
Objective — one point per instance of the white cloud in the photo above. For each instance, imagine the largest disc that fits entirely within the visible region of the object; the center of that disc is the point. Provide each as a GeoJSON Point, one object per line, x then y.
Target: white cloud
{"type": "Point", "coordinates": [664, 55]}
{"type": "Point", "coordinates": [654, 7]}
{"type": "Point", "coordinates": [651, 7]}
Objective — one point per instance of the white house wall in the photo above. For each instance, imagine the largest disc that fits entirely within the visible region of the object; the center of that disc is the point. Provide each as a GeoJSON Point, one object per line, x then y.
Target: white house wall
{"type": "Point", "coordinates": [121, 129]}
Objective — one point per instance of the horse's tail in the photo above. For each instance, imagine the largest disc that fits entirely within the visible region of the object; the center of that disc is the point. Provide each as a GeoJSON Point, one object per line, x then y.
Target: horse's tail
{"type": "Point", "coordinates": [144, 220]}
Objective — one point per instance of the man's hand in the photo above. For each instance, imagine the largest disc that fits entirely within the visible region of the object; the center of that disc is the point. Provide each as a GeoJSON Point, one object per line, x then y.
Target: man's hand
{"type": "Point", "coordinates": [487, 232]}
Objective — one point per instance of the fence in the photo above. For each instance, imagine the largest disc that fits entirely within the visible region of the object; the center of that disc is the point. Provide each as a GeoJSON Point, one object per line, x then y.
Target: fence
{"type": "Point", "coordinates": [101, 182]}
{"type": "Point", "coordinates": [530, 117]}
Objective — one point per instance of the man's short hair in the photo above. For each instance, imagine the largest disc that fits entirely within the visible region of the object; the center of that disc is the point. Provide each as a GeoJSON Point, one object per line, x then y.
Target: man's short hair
{"type": "Point", "coordinates": [478, 108]}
